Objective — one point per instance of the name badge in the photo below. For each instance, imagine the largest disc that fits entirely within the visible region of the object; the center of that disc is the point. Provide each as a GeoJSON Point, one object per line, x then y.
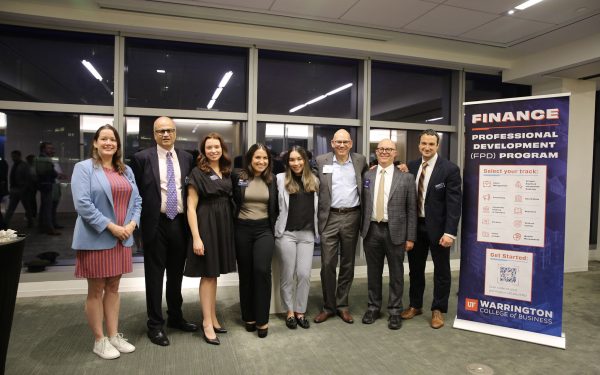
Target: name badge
{"type": "Point", "coordinates": [367, 183]}
{"type": "Point", "coordinates": [243, 183]}
{"type": "Point", "coordinates": [186, 180]}
{"type": "Point", "coordinates": [440, 186]}
{"type": "Point", "coordinates": [328, 168]}
{"type": "Point", "coordinates": [214, 177]}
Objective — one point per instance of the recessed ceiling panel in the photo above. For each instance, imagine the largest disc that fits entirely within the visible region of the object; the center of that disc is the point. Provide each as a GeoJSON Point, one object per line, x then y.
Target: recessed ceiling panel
{"type": "Point", "coordinates": [560, 11]}
{"type": "Point", "coordinates": [507, 29]}
{"type": "Point", "coordinates": [387, 13]}
{"type": "Point", "coordinates": [313, 8]}
{"type": "Point", "coordinates": [489, 6]}
{"type": "Point", "coordinates": [445, 20]}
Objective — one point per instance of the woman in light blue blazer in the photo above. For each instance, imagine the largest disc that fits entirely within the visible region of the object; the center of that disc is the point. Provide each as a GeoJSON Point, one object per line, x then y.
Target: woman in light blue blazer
{"type": "Point", "coordinates": [108, 207]}
{"type": "Point", "coordinates": [295, 232]}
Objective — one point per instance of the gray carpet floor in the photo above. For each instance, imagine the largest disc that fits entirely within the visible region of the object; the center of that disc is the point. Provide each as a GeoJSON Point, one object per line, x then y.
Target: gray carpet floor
{"type": "Point", "coordinates": [50, 336]}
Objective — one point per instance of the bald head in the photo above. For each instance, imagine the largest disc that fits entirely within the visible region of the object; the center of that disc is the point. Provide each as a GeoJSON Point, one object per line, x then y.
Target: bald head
{"type": "Point", "coordinates": [341, 144]}
{"type": "Point", "coordinates": [164, 132]}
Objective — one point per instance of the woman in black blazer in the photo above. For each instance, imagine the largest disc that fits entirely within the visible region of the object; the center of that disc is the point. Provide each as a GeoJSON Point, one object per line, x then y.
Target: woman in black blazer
{"type": "Point", "coordinates": [255, 196]}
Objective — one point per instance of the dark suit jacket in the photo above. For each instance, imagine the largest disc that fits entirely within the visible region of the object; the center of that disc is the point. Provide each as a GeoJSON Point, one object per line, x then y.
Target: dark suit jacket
{"type": "Point", "coordinates": [402, 206]}
{"type": "Point", "coordinates": [239, 193]}
{"type": "Point", "coordinates": [443, 198]}
{"type": "Point", "coordinates": [147, 177]}
{"type": "Point", "coordinates": [360, 166]}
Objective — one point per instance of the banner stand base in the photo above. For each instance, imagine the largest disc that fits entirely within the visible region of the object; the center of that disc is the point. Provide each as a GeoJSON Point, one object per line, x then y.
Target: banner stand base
{"type": "Point", "coordinates": [511, 333]}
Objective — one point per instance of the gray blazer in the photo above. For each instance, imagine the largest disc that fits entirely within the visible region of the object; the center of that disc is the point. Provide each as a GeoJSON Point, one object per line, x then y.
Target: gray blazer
{"type": "Point", "coordinates": [402, 206]}
{"type": "Point", "coordinates": [284, 205]}
{"type": "Point", "coordinates": [360, 166]}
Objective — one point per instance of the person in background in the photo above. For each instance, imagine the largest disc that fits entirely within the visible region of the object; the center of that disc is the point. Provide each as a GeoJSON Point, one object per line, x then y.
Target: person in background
{"type": "Point", "coordinates": [295, 231]}
{"type": "Point", "coordinates": [160, 173]}
{"type": "Point", "coordinates": [108, 208]}
{"type": "Point", "coordinates": [211, 252]}
{"type": "Point", "coordinates": [46, 179]}
{"type": "Point", "coordinates": [21, 185]}
{"type": "Point", "coordinates": [255, 195]}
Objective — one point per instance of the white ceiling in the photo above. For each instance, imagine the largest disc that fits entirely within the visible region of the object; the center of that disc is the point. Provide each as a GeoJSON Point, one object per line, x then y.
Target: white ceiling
{"type": "Point", "coordinates": [476, 21]}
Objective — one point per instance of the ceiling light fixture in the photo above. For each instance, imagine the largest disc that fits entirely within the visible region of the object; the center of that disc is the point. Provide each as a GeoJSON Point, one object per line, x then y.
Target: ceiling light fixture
{"type": "Point", "coordinates": [434, 119]}
{"type": "Point", "coordinates": [92, 70]}
{"type": "Point", "coordinates": [511, 12]}
{"type": "Point", "coordinates": [527, 4]}
{"type": "Point", "coordinates": [321, 97]}
{"type": "Point", "coordinates": [224, 81]}
{"type": "Point", "coordinates": [161, 71]}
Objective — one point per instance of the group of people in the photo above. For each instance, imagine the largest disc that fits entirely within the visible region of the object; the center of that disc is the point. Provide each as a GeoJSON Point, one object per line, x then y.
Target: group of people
{"type": "Point", "coordinates": [204, 218]}
{"type": "Point", "coordinates": [26, 178]}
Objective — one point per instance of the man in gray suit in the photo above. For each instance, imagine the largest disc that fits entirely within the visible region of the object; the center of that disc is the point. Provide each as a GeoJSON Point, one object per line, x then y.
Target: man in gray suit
{"type": "Point", "coordinates": [340, 174]}
{"type": "Point", "coordinates": [389, 227]}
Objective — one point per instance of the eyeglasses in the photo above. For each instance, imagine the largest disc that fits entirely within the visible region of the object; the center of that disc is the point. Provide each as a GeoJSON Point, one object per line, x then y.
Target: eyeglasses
{"type": "Point", "coordinates": [385, 150]}
{"type": "Point", "coordinates": [163, 131]}
{"type": "Point", "coordinates": [339, 143]}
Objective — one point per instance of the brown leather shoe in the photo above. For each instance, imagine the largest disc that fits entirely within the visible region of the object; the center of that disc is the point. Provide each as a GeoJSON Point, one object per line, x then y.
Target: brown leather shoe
{"type": "Point", "coordinates": [323, 316]}
{"type": "Point", "coordinates": [410, 313]}
{"type": "Point", "coordinates": [437, 319]}
{"type": "Point", "coordinates": [345, 315]}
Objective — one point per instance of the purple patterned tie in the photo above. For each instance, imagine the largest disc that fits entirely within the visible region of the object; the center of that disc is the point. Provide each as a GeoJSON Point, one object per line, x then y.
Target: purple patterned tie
{"type": "Point", "coordinates": [171, 209]}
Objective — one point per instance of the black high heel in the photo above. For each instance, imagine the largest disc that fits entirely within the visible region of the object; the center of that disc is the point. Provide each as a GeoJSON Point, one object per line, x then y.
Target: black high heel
{"type": "Point", "coordinates": [262, 332]}
{"type": "Point", "coordinates": [214, 341]}
{"type": "Point", "coordinates": [220, 329]}
{"type": "Point", "coordinates": [250, 327]}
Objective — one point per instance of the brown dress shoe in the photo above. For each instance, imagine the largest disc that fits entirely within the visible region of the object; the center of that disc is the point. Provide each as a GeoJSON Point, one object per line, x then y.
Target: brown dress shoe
{"type": "Point", "coordinates": [410, 313]}
{"type": "Point", "coordinates": [323, 316]}
{"type": "Point", "coordinates": [345, 315]}
{"type": "Point", "coordinates": [437, 319]}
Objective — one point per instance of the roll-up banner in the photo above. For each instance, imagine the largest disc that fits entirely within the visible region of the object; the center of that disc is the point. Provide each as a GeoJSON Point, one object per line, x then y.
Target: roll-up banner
{"type": "Point", "coordinates": [513, 222]}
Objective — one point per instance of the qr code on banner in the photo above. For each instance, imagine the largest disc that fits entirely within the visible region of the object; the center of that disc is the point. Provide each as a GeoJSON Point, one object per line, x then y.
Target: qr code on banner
{"type": "Point", "coordinates": [508, 274]}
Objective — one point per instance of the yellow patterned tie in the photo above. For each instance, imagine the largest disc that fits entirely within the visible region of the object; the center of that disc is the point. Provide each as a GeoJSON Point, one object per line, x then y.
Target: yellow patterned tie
{"type": "Point", "coordinates": [380, 198]}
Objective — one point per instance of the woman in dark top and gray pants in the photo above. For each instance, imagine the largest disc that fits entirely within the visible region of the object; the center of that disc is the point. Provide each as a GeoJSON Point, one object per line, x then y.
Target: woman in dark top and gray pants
{"type": "Point", "coordinates": [295, 232]}
{"type": "Point", "coordinates": [255, 195]}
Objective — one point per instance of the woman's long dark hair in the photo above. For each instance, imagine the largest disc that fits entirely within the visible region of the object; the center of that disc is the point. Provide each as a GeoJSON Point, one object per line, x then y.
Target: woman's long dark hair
{"type": "Point", "coordinates": [247, 171]}
{"type": "Point", "coordinates": [116, 159]}
{"type": "Point", "coordinates": [224, 161]}
{"type": "Point", "coordinates": [309, 182]}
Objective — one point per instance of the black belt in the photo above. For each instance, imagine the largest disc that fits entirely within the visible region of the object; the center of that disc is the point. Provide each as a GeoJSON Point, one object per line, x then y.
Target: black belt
{"type": "Point", "coordinates": [344, 209]}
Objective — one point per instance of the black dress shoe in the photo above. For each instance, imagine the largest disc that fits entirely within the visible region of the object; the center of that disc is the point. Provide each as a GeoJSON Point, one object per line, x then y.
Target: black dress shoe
{"type": "Point", "coordinates": [303, 322]}
{"type": "Point", "coordinates": [220, 329]}
{"type": "Point", "coordinates": [214, 341]}
{"type": "Point", "coordinates": [370, 317]}
{"type": "Point", "coordinates": [158, 337]}
{"type": "Point", "coordinates": [250, 327]}
{"type": "Point", "coordinates": [395, 322]}
{"type": "Point", "coordinates": [183, 325]}
{"type": "Point", "coordinates": [291, 323]}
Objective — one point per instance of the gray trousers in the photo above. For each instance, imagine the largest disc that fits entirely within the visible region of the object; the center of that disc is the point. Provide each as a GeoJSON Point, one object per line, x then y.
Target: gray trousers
{"type": "Point", "coordinates": [295, 250]}
{"type": "Point", "coordinates": [341, 229]}
{"type": "Point", "coordinates": [378, 246]}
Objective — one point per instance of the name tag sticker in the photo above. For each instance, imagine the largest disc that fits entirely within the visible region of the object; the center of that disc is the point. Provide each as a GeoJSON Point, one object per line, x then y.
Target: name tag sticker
{"type": "Point", "coordinates": [328, 168]}
{"type": "Point", "coordinates": [440, 186]}
{"type": "Point", "coordinates": [243, 183]}
{"type": "Point", "coordinates": [214, 177]}
{"type": "Point", "coordinates": [367, 183]}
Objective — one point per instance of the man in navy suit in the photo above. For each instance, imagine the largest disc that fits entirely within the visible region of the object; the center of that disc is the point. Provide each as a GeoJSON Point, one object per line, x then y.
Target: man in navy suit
{"type": "Point", "coordinates": [164, 226]}
{"type": "Point", "coordinates": [439, 196]}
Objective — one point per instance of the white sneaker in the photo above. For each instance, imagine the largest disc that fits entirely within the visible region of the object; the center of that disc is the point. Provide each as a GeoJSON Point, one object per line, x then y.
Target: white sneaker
{"type": "Point", "coordinates": [121, 344]}
{"type": "Point", "coordinates": [105, 350]}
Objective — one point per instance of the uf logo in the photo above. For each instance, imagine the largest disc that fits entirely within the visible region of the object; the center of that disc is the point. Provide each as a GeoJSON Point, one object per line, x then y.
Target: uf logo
{"type": "Point", "coordinates": [471, 304]}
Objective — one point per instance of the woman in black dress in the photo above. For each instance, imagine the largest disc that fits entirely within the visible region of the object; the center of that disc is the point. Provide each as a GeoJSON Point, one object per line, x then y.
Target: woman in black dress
{"type": "Point", "coordinates": [209, 213]}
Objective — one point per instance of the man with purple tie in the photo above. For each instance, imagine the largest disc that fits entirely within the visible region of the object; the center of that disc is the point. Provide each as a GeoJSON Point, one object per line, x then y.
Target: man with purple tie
{"type": "Point", "coordinates": [160, 174]}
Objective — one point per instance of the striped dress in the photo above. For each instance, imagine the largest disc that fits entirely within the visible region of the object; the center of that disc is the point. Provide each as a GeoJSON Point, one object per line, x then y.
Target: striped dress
{"type": "Point", "coordinates": [93, 264]}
